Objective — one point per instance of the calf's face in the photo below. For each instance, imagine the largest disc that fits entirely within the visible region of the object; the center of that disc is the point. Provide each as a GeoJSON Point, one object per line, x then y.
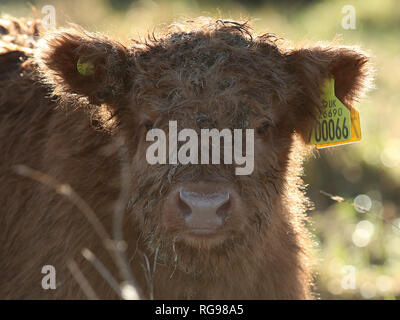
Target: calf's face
{"type": "Point", "coordinates": [215, 76]}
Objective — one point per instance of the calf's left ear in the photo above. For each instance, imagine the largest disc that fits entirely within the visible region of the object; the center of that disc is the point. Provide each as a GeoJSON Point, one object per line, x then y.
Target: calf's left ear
{"type": "Point", "coordinates": [349, 66]}
{"type": "Point", "coordinates": [74, 61]}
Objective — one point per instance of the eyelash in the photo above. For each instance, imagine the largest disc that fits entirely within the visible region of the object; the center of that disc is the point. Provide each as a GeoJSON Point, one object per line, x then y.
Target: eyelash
{"type": "Point", "coordinates": [263, 128]}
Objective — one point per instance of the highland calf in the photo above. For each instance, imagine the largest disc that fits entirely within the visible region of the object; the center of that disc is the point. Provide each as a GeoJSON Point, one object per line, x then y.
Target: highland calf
{"type": "Point", "coordinates": [76, 106]}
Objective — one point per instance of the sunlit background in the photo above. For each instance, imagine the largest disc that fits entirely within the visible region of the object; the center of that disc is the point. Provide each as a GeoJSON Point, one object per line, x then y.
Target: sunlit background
{"type": "Point", "coordinates": [357, 253]}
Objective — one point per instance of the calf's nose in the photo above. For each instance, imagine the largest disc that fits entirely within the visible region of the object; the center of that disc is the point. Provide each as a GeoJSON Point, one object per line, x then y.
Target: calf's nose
{"type": "Point", "coordinates": [202, 211]}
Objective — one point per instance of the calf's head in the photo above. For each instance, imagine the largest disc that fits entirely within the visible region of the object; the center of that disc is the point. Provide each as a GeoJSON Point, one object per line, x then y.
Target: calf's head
{"type": "Point", "coordinates": [204, 75]}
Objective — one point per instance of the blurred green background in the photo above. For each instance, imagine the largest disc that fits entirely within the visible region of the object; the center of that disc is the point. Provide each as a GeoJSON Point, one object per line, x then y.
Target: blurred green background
{"type": "Point", "coordinates": [358, 254]}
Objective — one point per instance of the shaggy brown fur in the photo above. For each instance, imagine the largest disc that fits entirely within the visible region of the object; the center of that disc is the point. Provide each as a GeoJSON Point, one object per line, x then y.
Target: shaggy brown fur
{"type": "Point", "coordinates": [202, 73]}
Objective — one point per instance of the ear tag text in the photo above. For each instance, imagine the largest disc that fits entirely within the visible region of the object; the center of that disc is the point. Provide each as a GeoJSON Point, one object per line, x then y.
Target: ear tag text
{"type": "Point", "coordinates": [336, 124]}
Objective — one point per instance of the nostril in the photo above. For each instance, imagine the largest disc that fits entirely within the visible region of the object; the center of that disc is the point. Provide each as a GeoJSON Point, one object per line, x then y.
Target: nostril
{"type": "Point", "coordinates": [183, 207]}
{"type": "Point", "coordinates": [224, 209]}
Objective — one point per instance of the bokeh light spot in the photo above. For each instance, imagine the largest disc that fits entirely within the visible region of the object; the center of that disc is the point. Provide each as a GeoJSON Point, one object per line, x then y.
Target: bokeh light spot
{"type": "Point", "coordinates": [362, 234]}
{"type": "Point", "coordinates": [363, 203]}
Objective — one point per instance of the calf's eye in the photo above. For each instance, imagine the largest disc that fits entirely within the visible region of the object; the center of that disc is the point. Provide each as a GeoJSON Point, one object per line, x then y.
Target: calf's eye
{"type": "Point", "coordinates": [149, 125]}
{"type": "Point", "coordinates": [263, 128]}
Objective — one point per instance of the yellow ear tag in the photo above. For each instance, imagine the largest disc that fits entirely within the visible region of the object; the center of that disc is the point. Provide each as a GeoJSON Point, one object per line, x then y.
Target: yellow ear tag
{"type": "Point", "coordinates": [336, 124]}
{"type": "Point", "coordinates": [85, 68]}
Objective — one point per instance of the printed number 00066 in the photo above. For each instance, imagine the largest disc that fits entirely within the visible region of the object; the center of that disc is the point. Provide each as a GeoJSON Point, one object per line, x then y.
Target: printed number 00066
{"type": "Point", "coordinates": [328, 130]}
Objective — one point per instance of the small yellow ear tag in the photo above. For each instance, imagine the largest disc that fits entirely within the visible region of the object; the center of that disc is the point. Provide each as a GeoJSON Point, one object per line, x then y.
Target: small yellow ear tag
{"type": "Point", "coordinates": [336, 124]}
{"type": "Point", "coordinates": [85, 68]}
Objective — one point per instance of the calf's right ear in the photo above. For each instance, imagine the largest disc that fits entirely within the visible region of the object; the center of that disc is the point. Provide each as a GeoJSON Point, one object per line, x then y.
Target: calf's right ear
{"type": "Point", "coordinates": [74, 61]}
{"type": "Point", "coordinates": [350, 68]}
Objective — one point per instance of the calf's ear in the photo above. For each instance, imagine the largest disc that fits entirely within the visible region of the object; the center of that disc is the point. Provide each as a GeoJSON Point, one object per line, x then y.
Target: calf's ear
{"type": "Point", "coordinates": [74, 61]}
{"type": "Point", "coordinates": [349, 66]}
